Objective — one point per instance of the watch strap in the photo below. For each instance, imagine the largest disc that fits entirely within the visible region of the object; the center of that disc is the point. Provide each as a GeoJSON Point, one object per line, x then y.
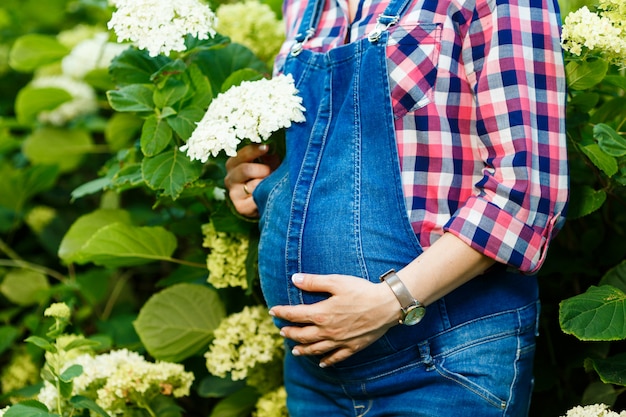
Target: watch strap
{"type": "Point", "coordinates": [401, 292]}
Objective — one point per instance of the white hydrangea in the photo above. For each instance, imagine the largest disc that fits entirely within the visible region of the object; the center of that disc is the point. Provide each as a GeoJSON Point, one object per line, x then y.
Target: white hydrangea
{"type": "Point", "coordinates": [121, 376]}
{"type": "Point", "coordinates": [4, 410]}
{"type": "Point", "coordinates": [93, 53]}
{"type": "Point", "coordinates": [243, 341]}
{"type": "Point", "coordinates": [160, 26]}
{"type": "Point", "coordinates": [251, 111]}
{"type": "Point", "coordinates": [83, 99]}
{"type": "Point", "coordinates": [602, 32]}
{"type": "Point", "coordinates": [594, 410]}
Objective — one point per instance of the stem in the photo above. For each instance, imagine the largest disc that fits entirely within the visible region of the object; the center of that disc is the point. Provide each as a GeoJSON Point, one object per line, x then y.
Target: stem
{"type": "Point", "coordinates": [188, 263]}
{"type": "Point", "coordinates": [33, 267]}
{"type": "Point", "coordinates": [8, 251]}
{"type": "Point", "coordinates": [117, 290]}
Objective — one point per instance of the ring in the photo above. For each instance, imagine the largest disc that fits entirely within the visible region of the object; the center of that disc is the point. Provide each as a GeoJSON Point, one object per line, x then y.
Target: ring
{"type": "Point", "coordinates": [245, 189]}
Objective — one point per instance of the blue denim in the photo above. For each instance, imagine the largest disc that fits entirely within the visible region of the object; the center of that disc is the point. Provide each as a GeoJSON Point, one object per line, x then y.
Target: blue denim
{"type": "Point", "coordinates": [335, 206]}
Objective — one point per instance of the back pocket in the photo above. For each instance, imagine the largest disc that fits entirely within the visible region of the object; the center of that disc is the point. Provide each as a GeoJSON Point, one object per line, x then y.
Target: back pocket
{"type": "Point", "coordinates": [412, 56]}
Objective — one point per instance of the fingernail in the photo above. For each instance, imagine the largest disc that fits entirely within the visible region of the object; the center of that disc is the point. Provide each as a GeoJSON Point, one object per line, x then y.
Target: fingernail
{"type": "Point", "coordinates": [271, 312]}
{"type": "Point", "coordinates": [297, 278]}
{"type": "Point", "coordinates": [295, 352]}
{"type": "Point", "coordinates": [323, 365]}
{"type": "Point", "coordinates": [263, 147]}
{"type": "Point", "coordinates": [282, 333]}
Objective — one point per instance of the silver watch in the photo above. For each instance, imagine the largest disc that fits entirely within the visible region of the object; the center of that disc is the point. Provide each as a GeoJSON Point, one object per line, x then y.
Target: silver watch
{"type": "Point", "coordinates": [411, 310]}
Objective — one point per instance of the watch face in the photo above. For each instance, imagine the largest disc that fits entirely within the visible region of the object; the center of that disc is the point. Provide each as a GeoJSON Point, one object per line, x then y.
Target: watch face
{"type": "Point", "coordinates": [414, 315]}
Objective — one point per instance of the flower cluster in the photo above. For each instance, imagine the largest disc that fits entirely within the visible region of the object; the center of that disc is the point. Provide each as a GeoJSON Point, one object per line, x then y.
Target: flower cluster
{"type": "Point", "coordinates": [20, 372]}
{"type": "Point", "coordinates": [227, 259]}
{"type": "Point", "coordinates": [93, 53]}
{"type": "Point", "coordinates": [58, 311]}
{"type": "Point", "coordinates": [595, 410]}
{"type": "Point", "coordinates": [272, 404]}
{"type": "Point", "coordinates": [242, 342]}
{"type": "Point", "coordinates": [253, 24]}
{"type": "Point", "coordinates": [160, 26]}
{"type": "Point", "coordinates": [122, 378]}
{"type": "Point", "coordinates": [251, 111]}
{"type": "Point", "coordinates": [83, 100]}
{"type": "Point", "coordinates": [39, 217]}
{"type": "Point", "coordinates": [602, 32]}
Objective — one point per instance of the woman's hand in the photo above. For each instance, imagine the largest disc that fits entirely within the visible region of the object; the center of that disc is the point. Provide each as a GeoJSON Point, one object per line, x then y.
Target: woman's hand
{"type": "Point", "coordinates": [244, 172]}
{"type": "Point", "coordinates": [357, 313]}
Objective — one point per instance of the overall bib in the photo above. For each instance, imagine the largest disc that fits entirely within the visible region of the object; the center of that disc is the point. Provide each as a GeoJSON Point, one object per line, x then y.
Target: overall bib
{"type": "Point", "coordinates": [335, 206]}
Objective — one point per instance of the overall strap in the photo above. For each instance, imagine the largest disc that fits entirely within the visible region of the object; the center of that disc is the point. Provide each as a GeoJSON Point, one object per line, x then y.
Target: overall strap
{"type": "Point", "coordinates": [313, 13]}
{"type": "Point", "coordinates": [388, 18]}
{"type": "Point", "coordinates": [309, 23]}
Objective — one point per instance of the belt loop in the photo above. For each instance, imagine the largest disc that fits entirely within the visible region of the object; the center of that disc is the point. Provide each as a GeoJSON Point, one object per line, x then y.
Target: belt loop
{"type": "Point", "coordinates": [427, 359]}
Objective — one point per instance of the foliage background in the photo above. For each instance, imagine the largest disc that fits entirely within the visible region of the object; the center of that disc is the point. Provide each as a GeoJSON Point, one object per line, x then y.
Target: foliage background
{"type": "Point", "coordinates": [108, 299]}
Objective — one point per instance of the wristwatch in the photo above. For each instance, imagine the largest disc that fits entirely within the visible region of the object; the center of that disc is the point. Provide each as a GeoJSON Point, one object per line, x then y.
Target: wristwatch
{"type": "Point", "coordinates": [411, 310]}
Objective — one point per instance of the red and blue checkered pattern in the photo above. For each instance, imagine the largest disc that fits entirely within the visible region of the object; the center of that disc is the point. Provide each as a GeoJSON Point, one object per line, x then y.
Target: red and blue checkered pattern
{"type": "Point", "coordinates": [478, 94]}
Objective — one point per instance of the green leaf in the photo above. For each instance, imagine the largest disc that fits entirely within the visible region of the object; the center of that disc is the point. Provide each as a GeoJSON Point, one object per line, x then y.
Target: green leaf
{"type": "Point", "coordinates": [167, 71]}
{"type": "Point", "coordinates": [618, 81]}
{"type": "Point", "coordinates": [611, 370]}
{"type": "Point", "coordinates": [179, 321]}
{"type": "Point", "coordinates": [129, 176]}
{"type": "Point", "coordinates": [585, 200]}
{"type": "Point", "coordinates": [239, 76]}
{"type": "Point", "coordinates": [121, 129]}
{"type": "Point", "coordinates": [616, 276]}
{"type": "Point", "coordinates": [81, 402]}
{"type": "Point", "coordinates": [132, 98]}
{"type": "Point", "coordinates": [71, 373]}
{"type": "Point", "coordinates": [215, 387]}
{"type": "Point", "coordinates": [609, 140]}
{"type": "Point", "coordinates": [598, 314]}
{"type": "Point", "coordinates": [85, 227]}
{"type": "Point", "coordinates": [63, 148]}
{"type": "Point", "coordinates": [119, 244]}
{"type": "Point", "coordinates": [170, 172]}
{"type": "Point", "coordinates": [41, 343]}
{"type": "Point", "coordinates": [598, 392]}
{"type": "Point", "coordinates": [29, 408]}
{"type": "Point", "coordinates": [156, 135]}
{"type": "Point", "coordinates": [165, 406]}
{"type": "Point", "coordinates": [8, 334]}
{"type": "Point", "coordinates": [31, 101]}
{"type": "Point", "coordinates": [135, 66]}
{"type": "Point", "coordinates": [239, 404]}
{"type": "Point", "coordinates": [185, 122]}
{"type": "Point", "coordinates": [91, 187]}
{"type": "Point", "coordinates": [201, 87]}
{"type": "Point", "coordinates": [582, 75]}
{"type": "Point", "coordinates": [19, 185]}
{"type": "Point", "coordinates": [33, 51]}
{"type": "Point", "coordinates": [80, 343]}
{"type": "Point", "coordinates": [24, 287]}
{"type": "Point", "coordinates": [600, 159]}
{"type": "Point", "coordinates": [65, 388]}
{"type": "Point", "coordinates": [218, 64]}
{"type": "Point", "coordinates": [171, 93]}
{"type": "Point", "coordinates": [584, 102]}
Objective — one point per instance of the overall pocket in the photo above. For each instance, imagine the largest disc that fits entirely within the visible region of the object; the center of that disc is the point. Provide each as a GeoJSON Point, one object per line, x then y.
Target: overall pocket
{"type": "Point", "coordinates": [412, 58]}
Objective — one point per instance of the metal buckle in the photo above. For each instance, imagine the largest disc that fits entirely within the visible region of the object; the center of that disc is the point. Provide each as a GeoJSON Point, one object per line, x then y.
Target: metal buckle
{"type": "Point", "coordinates": [378, 30]}
{"type": "Point", "coordinates": [297, 47]}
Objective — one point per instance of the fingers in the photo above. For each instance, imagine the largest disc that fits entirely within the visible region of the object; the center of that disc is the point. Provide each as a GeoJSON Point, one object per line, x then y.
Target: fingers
{"type": "Point", "coordinates": [243, 175]}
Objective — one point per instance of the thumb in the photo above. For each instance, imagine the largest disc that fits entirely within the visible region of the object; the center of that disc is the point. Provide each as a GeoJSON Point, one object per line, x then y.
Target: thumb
{"type": "Point", "coordinates": [312, 282]}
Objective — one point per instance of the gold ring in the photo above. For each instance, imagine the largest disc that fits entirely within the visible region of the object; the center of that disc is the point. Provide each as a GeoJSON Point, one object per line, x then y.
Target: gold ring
{"type": "Point", "coordinates": [245, 189]}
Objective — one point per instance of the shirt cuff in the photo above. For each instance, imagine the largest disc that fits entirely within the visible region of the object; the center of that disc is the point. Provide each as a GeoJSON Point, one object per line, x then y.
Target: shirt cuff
{"type": "Point", "coordinates": [503, 237]}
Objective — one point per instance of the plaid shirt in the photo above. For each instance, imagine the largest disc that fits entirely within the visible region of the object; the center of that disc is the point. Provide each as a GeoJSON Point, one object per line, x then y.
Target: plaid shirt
{"type": "Point", "coordinates": [478, 93]}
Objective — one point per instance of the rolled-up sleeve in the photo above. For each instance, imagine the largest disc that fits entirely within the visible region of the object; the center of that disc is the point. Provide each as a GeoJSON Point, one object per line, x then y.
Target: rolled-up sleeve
{"type": "Point", "coordinates": [513, 59]}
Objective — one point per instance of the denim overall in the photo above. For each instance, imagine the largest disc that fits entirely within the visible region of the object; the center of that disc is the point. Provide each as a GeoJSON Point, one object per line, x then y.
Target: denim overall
{"type": "Point", "coordinates": [335, 206]}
